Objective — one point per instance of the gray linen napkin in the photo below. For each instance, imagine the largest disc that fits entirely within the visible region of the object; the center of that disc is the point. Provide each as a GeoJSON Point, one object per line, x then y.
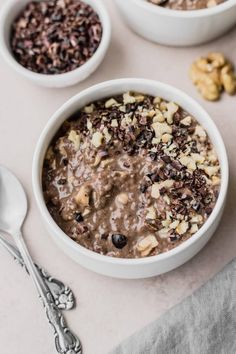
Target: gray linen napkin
{"type": "Point", "coordinates": [204, 323]}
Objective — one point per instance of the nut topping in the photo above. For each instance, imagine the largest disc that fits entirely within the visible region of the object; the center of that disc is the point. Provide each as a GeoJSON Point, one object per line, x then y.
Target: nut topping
{"type": "Point", "coordinates": [75, 139]}
{"type": "Point", "coordinates": [82, 197]}
{"type": "Point", "coordinates": [97, 139]}
{"type": "Point", "coordinates": [186, 121]}
{"type": "Point", "coordinates": [111, 102]}
{"type": "Point", "coordinates": [146, 245]}
{"type": "Point", "coordinates": [151, 213]}
{"type": "Point", "coordinates": [182, 228]}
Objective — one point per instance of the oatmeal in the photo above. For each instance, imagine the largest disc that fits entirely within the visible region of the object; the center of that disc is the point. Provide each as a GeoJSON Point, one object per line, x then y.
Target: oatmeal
{"type": "Point", "coordinates": [131, 176]}
{"type": "Point", "coordinates": [187, 4]}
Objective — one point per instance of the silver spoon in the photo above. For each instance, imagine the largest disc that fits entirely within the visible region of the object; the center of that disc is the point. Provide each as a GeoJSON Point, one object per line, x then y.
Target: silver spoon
{"type": "Point", "coordinates": [62, 294]}
{"type": "Point", "coordinates": [13, 210]}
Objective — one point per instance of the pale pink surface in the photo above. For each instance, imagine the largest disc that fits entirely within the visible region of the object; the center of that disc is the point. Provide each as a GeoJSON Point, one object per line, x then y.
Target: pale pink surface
{"type": "Point", "coordinates": [108, 310]}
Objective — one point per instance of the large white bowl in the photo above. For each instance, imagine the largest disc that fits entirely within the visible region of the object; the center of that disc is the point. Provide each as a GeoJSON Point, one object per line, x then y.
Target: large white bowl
{"type": "Point", "coordinates": [118, 267]}
{"type": "Point", "coordinates": [10, 11]}
{"type": "Point", "coordinates": [178, 28]}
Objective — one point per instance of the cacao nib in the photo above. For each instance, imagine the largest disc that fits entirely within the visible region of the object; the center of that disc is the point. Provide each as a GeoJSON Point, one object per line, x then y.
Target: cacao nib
{"type": "Point", "coordinates": [55, 37]}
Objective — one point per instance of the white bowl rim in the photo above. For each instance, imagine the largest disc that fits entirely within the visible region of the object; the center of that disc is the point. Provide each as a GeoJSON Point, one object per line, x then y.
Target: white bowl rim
{"type": "Point", "coordinates": [56, 78]}
{"type": "Point", "coordinates": [185, 13]}
{"type": "Point", "coordinates": [36, 173]}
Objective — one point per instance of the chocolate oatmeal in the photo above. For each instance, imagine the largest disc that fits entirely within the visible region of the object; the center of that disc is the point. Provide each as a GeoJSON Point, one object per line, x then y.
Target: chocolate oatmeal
{"type": "Point", "coordinates": [131, 176]}
{"type": "Point", "coordinates": [187, 4]}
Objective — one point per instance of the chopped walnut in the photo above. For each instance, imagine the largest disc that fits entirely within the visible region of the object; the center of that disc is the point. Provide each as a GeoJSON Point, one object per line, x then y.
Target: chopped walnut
{"type": "Point", "coordinates": [199, 131]}
{"type": "Point", "coordinates": [111, 102]}
{"type": "Point", "coordinates": [172, 108]}
{"type": "Point", "coordinates": [155, 193]}
{"type": "Point", "coordinates": [146, 245]}
{"type": "Point", "coordinates": [186, 121]}
{"type": "Point", "coordinates": [151, 213]}
{"type": "Point", "coordinates": [89, 109]}
{"type": "Point", "coordinates": [74, 137]}
{"type": "Point", "coordinates": [97, 139]}
{"type": "Point", "coordinates": [182, 227]}
{"type": "Point", "coordinates": [161, 128]}
{"type": "Point", "coordinates": [127, 98]}
{"type": "Point", "coordinates": [82, 197]}
{"type": "Point", "coordinates": [114, 123]}
{"type": "Point", "coordinates": [166, 138]}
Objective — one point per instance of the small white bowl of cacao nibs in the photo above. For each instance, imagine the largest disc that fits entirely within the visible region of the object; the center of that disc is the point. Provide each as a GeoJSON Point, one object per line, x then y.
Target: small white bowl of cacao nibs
{"type": "Point", "coordinates": [179, 22]}
{"type": "Point", "coordinates": [55, 43]}
{"type": "Point", "coordinates": [130, 177]}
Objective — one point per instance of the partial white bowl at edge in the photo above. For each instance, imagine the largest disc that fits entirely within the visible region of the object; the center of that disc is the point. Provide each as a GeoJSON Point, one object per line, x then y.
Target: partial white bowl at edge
{"type": "Point", "coordinates": [178, 28]}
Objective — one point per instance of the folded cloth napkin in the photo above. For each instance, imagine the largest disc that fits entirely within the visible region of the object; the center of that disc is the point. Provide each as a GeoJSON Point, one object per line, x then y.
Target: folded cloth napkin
{"type": "Point", "coordinates": [204, 323]}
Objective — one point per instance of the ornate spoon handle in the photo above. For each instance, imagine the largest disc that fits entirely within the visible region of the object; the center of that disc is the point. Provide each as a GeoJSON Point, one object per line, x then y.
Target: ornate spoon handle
{"type": "Point", "coordinates": [62, 294]}
{"type": "Point", "coordinates": [66, 342]}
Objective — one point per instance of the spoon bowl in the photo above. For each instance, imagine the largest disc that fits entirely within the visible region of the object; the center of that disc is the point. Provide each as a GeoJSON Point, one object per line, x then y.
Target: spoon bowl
{"type": "Point", "coordinates": [13, 202]}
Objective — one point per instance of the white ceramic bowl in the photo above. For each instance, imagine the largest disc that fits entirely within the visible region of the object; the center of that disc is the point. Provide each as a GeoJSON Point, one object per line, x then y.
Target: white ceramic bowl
{"type": "Point", "coordinates": [118, 267]}
{"type": "Point", "coordinates": [7, 16]}
{"type": "Point", "coordinates": [178, 28]}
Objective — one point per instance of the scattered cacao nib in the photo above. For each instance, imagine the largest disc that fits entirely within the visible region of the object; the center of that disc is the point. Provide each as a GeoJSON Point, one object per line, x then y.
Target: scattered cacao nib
{"type": "Point", "coordinates": [180, 209]}
{"type": "Point", "coordinates": [56, 36]}
{"type": "Point", "coordinates": [152, 176]}
{"type": "Point", "coordinates": [173, 238]}
{"type": "Point", "coordinates": [185, 197]}
{"type": "Point", "coordinates": [163, 190]}
{"type": "Point", "coordinates": [62, 181]}
{"type": "Point", "coordinates": [177, 165]}
{"type": "Point", "coordinates": [177, 118]}
{"type": "Point", "coordinates": [104, 236]}
{"type": "Point", "coordinates": [82, 229]}
{"type": "Point", "coordinates": [196, 205]}
{"type": "Point", "coordinates": [79, 217]}
{"type": "Point", "coordinates": [131, 149]}
{"type": "Point", "coordinates": [143, 188]}
{"type": "Point", "coordinates": [50, 175]}
{"type": "Point", "coordinates": [191, 130]}
{"type": "Point", "coordinates": [144, 138]}
{"type": "Point", "coordinates": [169, 172]}
{"type": "Point", "coordinates": [208, 210]}
{"type": "Point", "coordinates": [208, 199]}
{"type": "Point", "coordinates": [153, 156]}
{"type": "Point", "coordinates": [166, 159]}
{"type": "Point", "coordinates": [203, 191]}
{"type": "Point", "coordinates": [178, 184]}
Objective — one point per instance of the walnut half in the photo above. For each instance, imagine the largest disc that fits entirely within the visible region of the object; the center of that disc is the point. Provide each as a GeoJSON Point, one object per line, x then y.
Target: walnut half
{"type": "Point", "coordinates": [213, 74]}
